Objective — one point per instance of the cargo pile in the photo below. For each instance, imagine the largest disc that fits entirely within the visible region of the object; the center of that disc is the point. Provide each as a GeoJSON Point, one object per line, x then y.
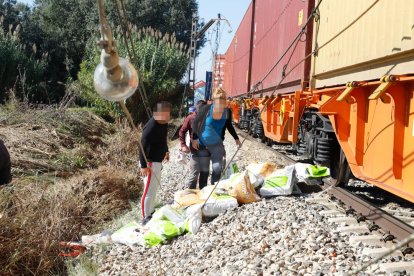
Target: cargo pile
{"type": "Point", "coordinates": [191, 207]}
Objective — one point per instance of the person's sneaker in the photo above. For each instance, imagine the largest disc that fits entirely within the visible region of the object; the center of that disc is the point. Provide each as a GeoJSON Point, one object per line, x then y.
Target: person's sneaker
{"type": "Point", "coordinates": [146, 219]}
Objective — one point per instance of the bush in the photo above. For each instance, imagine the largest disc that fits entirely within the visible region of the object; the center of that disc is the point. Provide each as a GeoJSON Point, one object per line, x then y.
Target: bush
{"type": "Point", "coordinates": [19, 72]}
{"type": "Point", "coordinates": [73, 174]}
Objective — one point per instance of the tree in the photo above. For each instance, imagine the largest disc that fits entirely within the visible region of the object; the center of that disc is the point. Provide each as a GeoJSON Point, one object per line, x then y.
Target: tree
{"type": "Point", "coordinates": [167, 16]}
{"type": "Point", "coordinates": [19, 72]}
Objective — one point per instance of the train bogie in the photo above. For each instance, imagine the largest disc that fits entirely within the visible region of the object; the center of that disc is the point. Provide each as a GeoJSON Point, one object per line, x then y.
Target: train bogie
{"type": "Point", "coordinates": [342, 95]}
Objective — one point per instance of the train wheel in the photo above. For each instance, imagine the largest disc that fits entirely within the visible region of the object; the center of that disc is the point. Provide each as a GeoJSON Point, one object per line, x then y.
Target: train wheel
{"type": "Point", "coordinates": [341, 171]}
{"type": "Point", "coordinates": [269, 142]}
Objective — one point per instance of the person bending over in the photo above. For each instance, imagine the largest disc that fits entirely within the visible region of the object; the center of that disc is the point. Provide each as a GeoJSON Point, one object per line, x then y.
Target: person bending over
{"type": "Point", "coordinates": [208, 133]}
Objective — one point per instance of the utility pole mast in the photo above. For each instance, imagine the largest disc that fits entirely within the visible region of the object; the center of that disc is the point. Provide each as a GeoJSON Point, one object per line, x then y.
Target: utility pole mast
{"type": "Point", "coordinates": [195, 35]}
{"type": "Point", "coordinates": [193, 52]}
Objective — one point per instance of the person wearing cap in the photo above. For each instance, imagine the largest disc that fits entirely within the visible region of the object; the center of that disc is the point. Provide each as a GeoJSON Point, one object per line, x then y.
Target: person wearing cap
{"type": "Point", "coordinates": [194, 175]}
{"type": "Point", "coordinates": [209, 128]}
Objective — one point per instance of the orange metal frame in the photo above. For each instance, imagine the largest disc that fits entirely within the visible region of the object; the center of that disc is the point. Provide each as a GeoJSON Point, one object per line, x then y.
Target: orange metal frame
{"type": "Point", "coordinates": [373, 121]}
{"type": "Point", "coordinates": [377, 135]}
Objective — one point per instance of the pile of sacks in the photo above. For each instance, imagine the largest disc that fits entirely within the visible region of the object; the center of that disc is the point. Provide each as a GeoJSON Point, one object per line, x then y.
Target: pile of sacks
{"type": "Point", "coordinates": [191, 206]}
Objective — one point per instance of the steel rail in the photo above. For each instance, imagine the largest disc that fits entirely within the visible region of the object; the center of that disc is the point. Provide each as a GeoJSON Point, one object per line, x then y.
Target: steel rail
{"type": "Point", "coordinates": [385, 221]}
{"type": "Point", "coordinates": [388, 223]}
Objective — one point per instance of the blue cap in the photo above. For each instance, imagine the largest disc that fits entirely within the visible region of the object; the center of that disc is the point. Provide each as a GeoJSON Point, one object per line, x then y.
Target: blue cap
{"type": "Point", "coordinates": [191, 109]}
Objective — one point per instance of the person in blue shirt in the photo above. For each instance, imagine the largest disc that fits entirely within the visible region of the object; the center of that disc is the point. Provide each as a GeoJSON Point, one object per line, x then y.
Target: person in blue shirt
{"type": "Point", "coordinates": [209, 127]}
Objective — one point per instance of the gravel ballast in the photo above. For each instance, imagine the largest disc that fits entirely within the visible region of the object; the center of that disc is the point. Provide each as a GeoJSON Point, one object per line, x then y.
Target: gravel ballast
{"type": "Point", "coordinates": [279, 236]}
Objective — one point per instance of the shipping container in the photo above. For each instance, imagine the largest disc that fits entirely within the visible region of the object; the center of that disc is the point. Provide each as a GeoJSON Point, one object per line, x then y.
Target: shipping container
{"type": "Point", "coordinates": [276, 24]}
{"type": "Point", "coordinates": [239, 62]}
{"type": "Point", "coordinates": [228, 68]}
{"type": "Point", "coordinates": [380, 42]}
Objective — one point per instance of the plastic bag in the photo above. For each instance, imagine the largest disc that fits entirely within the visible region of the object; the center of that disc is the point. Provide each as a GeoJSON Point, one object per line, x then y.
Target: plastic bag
{"type": "Point", "coordinates": [130, 234]}
{"type": "Point", "coordinates": [255, 180]}
{"type": "Point", "coordinates": [281, 182]}
{"type": "Point", "coordinates": [102, 238]}
{"type": "Point", "coordinates": [187, 198]}
{"type": "Point", "coordinates": [304, 173]}
{"type": "Point", "coordinates": [318, 171]}
{"type": "Point", "coordinates": [216, 204]}
{"type": "Point", "coordinates": [242, 189]}
{"type": "Point", "coordinates": [166, 223]}
{"type": "Point", "coordinates": [231, 169]}
{"type": "Point", "coordinates": [193, 219]}
{"type": "Point", "coordinates": [182, 157]}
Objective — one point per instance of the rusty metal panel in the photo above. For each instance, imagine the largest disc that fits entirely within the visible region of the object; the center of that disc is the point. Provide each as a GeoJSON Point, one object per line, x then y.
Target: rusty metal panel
{"type": "Point", "coordinates": [238, 56]}
{"type": "Point", "coordinates": [277, 23]}
{"type": "Point", "coordinates": [380, 42]}
{"type": "Point", "coordinates": [228, 69]}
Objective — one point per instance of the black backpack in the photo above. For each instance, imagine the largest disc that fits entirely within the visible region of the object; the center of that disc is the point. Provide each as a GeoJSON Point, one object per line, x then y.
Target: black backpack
{"type": "Point", "coordinates": [200, 119]}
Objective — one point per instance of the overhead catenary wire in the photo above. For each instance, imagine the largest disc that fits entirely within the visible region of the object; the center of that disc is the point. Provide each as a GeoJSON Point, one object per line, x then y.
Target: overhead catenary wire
{"type": "Point", "coordinates": [314, 13]}
{"type": "Point", "coordinates": [254, 88]}
{"type": "Point", "coordinates": [259, 40]}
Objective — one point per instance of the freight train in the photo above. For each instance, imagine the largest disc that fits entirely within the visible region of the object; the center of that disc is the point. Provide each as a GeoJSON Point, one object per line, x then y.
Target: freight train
{"type": "Point", "coordinates": [333, 78]}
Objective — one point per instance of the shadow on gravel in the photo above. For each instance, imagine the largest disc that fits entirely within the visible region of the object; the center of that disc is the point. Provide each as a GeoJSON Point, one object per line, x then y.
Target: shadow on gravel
{"type": "Point", "coordinates": [309, 189]}
{"type": "Point", "coordinates": [378, 196]}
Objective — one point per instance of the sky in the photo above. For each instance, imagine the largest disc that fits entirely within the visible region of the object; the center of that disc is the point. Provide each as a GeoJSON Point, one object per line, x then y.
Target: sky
{"type": "Point", "coordinates": [232, 10]}
{"type": "Point", "coordinates": [30, 2]}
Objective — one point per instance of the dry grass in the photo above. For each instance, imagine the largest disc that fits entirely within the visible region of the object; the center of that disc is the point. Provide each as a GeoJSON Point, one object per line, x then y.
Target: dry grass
{"type": "Point", "coordinates": [75, 173]}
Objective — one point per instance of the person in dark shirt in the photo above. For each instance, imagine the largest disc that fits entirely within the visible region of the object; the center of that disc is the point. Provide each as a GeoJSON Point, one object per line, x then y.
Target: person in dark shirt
{"type": "Point", "coordinates": [154, 144]}
{"type": "Point", "coordinates": [194, 175]}
{"type": "Point", "coordinates": [5, 165]}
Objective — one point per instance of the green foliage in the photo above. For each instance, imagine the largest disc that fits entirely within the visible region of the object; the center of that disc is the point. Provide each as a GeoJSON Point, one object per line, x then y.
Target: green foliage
{"type": "Point", "coordinates": [59, 29]}
{"type": "Point", "coordinates": [19, 72]}
{"type": "Point", "coordinates": [160, 59]}
{"type": "Point", "coordinates": [167, 16]}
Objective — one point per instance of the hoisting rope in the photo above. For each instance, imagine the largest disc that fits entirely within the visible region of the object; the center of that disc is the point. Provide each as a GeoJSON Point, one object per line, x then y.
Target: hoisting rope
{"type": "Point", "coordinates": [132, 53]}
{"type": "Point", "coordinates": [314, 14]}
{"type": "Point", "coordinates": [108, 45]}
{"type": "Point", "coordinates": [254, 88]}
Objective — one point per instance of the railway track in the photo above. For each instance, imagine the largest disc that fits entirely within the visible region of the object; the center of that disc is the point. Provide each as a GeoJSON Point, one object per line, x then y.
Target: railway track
{"type": "Point", "coordinates": [380, 227]}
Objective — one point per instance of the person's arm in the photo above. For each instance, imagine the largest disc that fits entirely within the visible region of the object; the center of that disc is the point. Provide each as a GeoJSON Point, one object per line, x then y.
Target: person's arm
{"type": "Point", "coordinates": [145, 142]}
{"type": "Point", "coordinates": [183, 130]}
{"type": "Point", "coordinates": [167, 154]}
{"type": "Point", "coordinates": [230, 127]}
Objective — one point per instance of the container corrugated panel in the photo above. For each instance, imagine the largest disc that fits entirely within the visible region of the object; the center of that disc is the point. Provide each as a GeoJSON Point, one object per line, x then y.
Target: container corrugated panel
{"type": "Point", "coordinates": [241, 51]}
{"type": "Point", "coordinates": [380, 42]}
{"type": "Point", "coordinates": [228, 69]}
{"type": "Point", "coordinates": [277, 23]}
